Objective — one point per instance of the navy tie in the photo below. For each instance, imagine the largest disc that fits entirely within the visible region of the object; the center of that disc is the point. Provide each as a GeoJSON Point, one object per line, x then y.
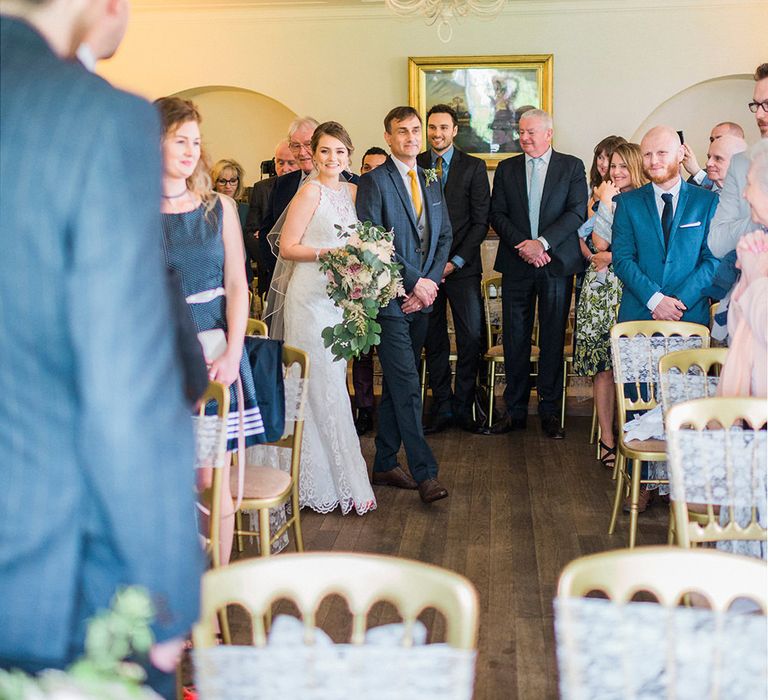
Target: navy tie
{"type": "Point", "coordinates": [666, 217]}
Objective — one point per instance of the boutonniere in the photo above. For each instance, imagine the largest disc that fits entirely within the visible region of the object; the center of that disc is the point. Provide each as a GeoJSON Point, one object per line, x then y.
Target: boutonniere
{"type": "Point", "coordinates": [431, 175]}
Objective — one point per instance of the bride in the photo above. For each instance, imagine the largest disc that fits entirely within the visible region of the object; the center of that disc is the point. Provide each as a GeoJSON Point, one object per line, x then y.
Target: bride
{"type": "Point", "coordinates": [333, 471]}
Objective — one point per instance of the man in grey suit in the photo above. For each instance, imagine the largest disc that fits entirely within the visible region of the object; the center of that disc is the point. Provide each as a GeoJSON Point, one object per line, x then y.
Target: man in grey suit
{"type": "Point", "coordinates": [96, 449]}
{"type": "Point", "coordinates": [733, 218]}
{"type": "Point", "coordinates": [397, 196]}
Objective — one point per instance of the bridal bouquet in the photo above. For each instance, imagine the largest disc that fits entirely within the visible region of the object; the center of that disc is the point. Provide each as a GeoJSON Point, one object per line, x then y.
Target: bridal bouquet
{"type": "Point", "coordinates": [362, 278]}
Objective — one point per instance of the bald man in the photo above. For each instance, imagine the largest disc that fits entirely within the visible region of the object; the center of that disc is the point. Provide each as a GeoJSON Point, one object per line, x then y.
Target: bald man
{"type": "Point", "coordinates": [660, 233]}
{"type": "Point", "coordinates": [719, 156]}
{"type": "Point", "coordinates": [698, 175]}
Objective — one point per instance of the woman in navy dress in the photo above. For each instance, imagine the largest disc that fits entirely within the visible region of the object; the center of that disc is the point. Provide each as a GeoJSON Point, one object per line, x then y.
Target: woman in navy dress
{"type": "Point", "coordinates": [203, 243]}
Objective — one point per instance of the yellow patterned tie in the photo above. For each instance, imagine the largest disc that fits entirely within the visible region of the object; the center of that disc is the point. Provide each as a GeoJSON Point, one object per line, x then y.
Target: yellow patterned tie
{"type": "Point", "coordinates": [439, 168]}
{"type": "Point", "coordinates": [415, 193]}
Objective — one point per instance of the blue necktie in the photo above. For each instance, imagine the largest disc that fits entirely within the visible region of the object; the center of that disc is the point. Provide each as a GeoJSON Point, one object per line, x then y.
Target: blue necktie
{"type": "Point", "coordinates": [667, 214]}
{"type": "Point", "coordinates": [534, 197]}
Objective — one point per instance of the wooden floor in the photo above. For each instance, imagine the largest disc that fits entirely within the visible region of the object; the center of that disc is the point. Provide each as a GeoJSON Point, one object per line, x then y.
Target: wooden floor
{"type": "Point", "coordinates": [520, 507]}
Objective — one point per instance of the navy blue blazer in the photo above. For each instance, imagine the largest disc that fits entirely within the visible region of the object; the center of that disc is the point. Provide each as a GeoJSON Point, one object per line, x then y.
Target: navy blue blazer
{"type": "Point", "coordinates": [96, 446]}
{"type": "Point", "coordinates": [383, 200]}
{"type": "Point", "coordinates": [563, 209]}
{"type": "Point", "coordinates": [642, 263]}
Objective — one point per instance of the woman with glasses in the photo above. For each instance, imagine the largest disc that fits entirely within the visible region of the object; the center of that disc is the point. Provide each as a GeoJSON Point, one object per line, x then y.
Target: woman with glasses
{"type": "Point", "coordinates": [601, 293]}
{"type": "Point", "coordinates": [227, 176]}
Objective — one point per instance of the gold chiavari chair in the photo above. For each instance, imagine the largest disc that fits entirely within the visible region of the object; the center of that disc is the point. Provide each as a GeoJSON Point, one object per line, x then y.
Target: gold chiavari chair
{"type": "Point", "coordinates": [619, 648]}
{"type": "Point", "coordinates": [361, 580]}
{"type": "Point", "coordinates": [267, 487]}
{"type": "Point", "coordinates": [717, 460]}
{"type": "Point", "coordinates": [636, 347]}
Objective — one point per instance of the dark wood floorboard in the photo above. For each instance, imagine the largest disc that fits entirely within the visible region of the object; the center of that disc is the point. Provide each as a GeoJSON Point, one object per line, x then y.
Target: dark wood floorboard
{"type": "Point", "coordinates": [521, 506]}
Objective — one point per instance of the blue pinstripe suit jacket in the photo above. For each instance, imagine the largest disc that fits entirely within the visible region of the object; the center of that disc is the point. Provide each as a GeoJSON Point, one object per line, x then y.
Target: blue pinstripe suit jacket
{"type": "Point", "coordinates": [96, 451]}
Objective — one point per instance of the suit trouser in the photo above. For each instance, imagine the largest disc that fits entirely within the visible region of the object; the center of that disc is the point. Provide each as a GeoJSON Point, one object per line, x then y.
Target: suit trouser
{"type": "Point", "coordinates": [400, 408]}
{"type": "Point", "coordinates": [463, 294]}
{"type": "Point", "coordinates": [362, 381]}
{"type": "Point", "coordinates": [518, 299]}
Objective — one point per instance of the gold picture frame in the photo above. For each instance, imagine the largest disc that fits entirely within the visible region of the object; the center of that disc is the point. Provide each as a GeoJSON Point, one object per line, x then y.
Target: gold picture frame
{"type": "Point", "coordinates": [489, 93]}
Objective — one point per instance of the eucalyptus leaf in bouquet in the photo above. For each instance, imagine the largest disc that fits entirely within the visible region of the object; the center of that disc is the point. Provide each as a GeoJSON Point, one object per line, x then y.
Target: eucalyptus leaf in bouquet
{"type": "Point", "coordinates": [362, 278]}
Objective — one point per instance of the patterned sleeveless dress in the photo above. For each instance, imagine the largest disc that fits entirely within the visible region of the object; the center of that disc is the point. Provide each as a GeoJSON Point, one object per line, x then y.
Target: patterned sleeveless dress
{"type": "Point", "coordinates": [194, 247]}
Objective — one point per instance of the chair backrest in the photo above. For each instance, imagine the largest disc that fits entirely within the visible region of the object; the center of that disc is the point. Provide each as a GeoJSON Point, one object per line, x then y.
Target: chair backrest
{"type": "Point", "coordinates": [491, 290]}
{"type": "Point", "coordinates": [211, 430]}
{"type": "Point", "coordinates": [636, 348]}
{"type": "Point", "coordinates": [360, 579]}
{"type": "Point", "coordinates": [618, 648]}
{"type": "Point", "coordinates": [256, 327]}
{"type": "Point", "coordinates": [716, 449]}
{"type": "Point", "coordinates": [689, 374]}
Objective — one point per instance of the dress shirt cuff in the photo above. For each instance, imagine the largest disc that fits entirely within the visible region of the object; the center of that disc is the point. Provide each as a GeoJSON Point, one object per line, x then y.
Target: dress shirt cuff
{"type": "Point", "coordinates": [698, 178]}
{"type": "Point", "coordinates": [653, 302]}
{"type": "Point", "coordinates": [543, 242]}
{"type": "Point", "coordinates": [458, 262]}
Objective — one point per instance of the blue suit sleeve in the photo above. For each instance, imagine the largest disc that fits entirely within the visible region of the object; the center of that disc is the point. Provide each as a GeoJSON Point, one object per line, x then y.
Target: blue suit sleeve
{"type": "Point", "coordinates": [625, 256]}
{"type": "Point", "coordinates": [135, 448]}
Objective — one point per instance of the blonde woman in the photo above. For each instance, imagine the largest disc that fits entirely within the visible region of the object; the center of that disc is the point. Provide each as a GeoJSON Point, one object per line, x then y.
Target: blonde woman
{"type": "Point", "coordinates": [227, 176]}
{"type": "Point", "coordinates": [601, 293]}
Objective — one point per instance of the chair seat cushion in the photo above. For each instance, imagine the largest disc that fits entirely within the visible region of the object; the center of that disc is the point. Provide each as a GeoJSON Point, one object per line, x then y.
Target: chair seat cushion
{"type": "Point", "coordinates": [659, 446]}
{"type": "Point", "coordinates": [261, 482]}
{"type": "Point", "coordinates": [495, 351]}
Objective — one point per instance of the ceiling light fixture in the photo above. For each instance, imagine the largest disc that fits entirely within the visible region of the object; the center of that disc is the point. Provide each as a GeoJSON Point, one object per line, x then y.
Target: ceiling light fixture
{"type": "Point", "coordinates": [443, 12]}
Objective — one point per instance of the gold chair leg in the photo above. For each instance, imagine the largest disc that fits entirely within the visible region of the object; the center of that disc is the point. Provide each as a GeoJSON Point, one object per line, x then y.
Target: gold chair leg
{"type": "Point", "coordinates": [635, 497]}
{"type": "Point", "coordinates": [617, 498]}
{"type": "Point", "coordinates": [226, 634]}
{"type": "Point", "coordinates": [593, 429]}
{"type": "Point", "coordinates": [423, 373]}
{"type": "Point", "coordinates": [671, 527]}
{"type": "Point", "coordinates": [298, 537]}
{"type": "Point", "coordinates": [565, 391]}
{"type": "Point", "coordinates": [618, 464]}
{"type": "Point", "coordinates": [264, 534]}
{"type": "Point", "coordinates": [239, 528]}
{"type": "Point", "coordinates": [491, 390]}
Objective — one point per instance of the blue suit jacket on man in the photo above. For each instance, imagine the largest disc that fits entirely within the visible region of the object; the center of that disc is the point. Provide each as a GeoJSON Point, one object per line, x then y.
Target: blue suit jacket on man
{"type": "Point", "coordinates": [383, 200]}
{"type": "Point", "coordinates": [96, 447]}
{"type": "Point", "coordinates": [645, 266]}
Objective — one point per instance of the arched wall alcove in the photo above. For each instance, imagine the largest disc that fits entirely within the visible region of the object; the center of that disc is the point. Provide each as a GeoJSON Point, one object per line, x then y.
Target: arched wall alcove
{"type": "Point", "coordinates": [240, 124]}
{"type": "Point", "coordinates": [697, 108]}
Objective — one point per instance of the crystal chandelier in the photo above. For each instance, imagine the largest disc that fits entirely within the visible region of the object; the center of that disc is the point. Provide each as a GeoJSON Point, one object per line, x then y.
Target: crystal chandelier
{"type": "Point", "coordinates": [443, 11]}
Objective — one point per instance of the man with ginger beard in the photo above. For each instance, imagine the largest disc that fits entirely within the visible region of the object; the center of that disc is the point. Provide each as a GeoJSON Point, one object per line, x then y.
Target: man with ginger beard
{"type": "Point", "coordinates": [660, 232]}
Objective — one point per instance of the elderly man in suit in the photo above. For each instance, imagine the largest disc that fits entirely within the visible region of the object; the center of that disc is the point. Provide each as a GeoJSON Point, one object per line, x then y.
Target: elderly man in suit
{"type": "Point", "coordinates": [698, 175]}
{"type": "Point", "coordinates": [468, 197]}
{"type": "Point", "coordinates": [258, 204]}
{"type": "Point", "coordinates": [660, 249]}
{"type": "Point", "coordinates": [539, 201]}
{"type": "Point", "coordinates": [96, 449]}
{"type": "Point", "coordinates": [397, 196]}
{"type": "Point", "coordinates": [733, 218]}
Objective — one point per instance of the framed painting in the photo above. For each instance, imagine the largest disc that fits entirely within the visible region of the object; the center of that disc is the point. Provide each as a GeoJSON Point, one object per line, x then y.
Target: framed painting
{"type": "Point", "coordinates": [488, 93]}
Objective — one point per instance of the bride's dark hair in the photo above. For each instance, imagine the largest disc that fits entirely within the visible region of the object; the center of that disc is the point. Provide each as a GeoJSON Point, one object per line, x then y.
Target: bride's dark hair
{"type": "Point", "coordinates": [335, 130]}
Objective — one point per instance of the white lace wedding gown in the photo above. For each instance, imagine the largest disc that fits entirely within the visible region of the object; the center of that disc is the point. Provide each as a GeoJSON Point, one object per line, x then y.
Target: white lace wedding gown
{"type": "Point", "coordinates": [333, 471]}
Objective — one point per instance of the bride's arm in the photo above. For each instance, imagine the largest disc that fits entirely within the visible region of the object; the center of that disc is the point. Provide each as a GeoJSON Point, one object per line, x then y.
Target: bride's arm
{"type": "Point", "coordinates": [300, 212]}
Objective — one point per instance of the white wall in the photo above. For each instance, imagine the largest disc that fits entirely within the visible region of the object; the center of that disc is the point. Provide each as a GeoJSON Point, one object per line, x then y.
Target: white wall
{"type": "Point", "coordinates": [615, 62]}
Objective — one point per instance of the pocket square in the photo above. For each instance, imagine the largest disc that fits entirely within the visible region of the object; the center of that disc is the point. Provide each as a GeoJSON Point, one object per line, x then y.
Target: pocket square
{"type": "Point", "coordinates": [691, 225]}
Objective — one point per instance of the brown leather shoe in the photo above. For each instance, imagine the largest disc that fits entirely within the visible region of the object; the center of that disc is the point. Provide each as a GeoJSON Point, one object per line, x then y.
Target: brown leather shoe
{"type": "Point", "coordinates": [395, 477]}
{"type": "Point", "coordinates": [644, 500]}
{"type": "Point", "coordinates": [432, 490]}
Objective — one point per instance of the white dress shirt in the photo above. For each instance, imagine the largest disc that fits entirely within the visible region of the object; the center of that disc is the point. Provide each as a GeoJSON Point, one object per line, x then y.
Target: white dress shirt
{"type": "Point", "coordinates": [653, 302]}
{"type": "Point", "coordinates": [543, 167]}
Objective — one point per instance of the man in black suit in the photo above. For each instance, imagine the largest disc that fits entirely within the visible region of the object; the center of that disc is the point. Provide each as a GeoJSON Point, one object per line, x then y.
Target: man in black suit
{"type": "Point", "coordinates": [539, 200]}
{"type": "Point", "coordinates": [285, 163]}
{"type": "Point", "coordinates": [468, 197]}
